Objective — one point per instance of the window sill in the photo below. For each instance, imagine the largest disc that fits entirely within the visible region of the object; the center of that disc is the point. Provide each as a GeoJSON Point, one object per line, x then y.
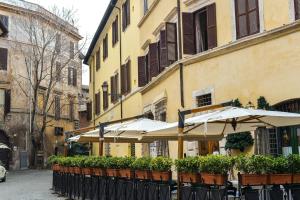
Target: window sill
{"type": "Point", "coordinates": [148, 13]}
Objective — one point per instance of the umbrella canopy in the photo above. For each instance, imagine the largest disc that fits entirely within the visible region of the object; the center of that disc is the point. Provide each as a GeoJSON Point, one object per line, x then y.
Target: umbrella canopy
{"type": "Point", "coordinates": [231, 120]}
{"type": "Point", "coordinates": [3, 146]}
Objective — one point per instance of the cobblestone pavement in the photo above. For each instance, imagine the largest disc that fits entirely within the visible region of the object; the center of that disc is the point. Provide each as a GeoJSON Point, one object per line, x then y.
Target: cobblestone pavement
{"type": "Point", "coordinates": [28, 185]}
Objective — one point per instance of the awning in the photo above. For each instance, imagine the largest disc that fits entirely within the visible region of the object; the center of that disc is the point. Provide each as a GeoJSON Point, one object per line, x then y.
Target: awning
{"type": "Point", "coordinates": [4, 146]}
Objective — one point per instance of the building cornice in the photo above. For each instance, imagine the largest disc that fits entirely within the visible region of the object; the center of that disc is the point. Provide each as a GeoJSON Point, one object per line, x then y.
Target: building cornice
{"type": "Point", "coordinates": [225, 49]}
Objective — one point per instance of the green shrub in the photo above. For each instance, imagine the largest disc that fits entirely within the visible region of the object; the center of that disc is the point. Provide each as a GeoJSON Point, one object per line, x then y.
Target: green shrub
{"type": "Point", "coordinates": [239, 141]}
{"type": "Point", "coordinates": [65, 161]}
{"type": "Point", "coordinates": [113, 162]}
{"type": "Point", "coordinates": [280, 165]}
{"type": "Point", "coordinates": [188, 164]}
{"type": "Point", "coordinates": [216, 164]}
{"type": "Point", "coordinates": [78, 161]}
{"type": "Point", "coordinates": [126, 162]}
{"type": "Point", "coordinates": [53, 159]}
{"type": "Point", "coordinates": [256, 164]}
{"type": "Point", "coordinates": [142, 163]}
{"type": "Point", "coordinates": [100, 162]}
{"type": "Point", "coordinates": [161, 164]}
{"type": "Point", "coordinates": [294, 163]}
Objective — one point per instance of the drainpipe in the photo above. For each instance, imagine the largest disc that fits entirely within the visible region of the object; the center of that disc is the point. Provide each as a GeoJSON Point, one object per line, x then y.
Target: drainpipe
{"type": "Point", "coordinates": [181, 77]}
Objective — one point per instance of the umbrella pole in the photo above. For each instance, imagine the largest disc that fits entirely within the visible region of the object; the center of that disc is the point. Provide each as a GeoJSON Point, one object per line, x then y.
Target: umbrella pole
{"type": "Point", "coordinates": [180, 149]}
{"type": "Point", "coordinates": [101, 139]}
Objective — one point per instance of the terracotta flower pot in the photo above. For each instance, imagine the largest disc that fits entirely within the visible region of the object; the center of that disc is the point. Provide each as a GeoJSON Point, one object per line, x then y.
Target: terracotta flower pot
{"type": "Point", "coordinates": [66, 170]}
{"type": "Point", "coordinates": [61, 169]}
{"type": "Point", "coordinates": [77, 170]}
{"type": "Point", "coordinates": [142, 174]}
{"type": "Point", "coordinates": [253, 179]}
{"type": "Point", "coordinates": [126, 173]}
{"type": "Point", "coordinates": [280, 179]}
{"type": "Point", "coordinates": [188, 177]}
{"type": "Point", "coordinates": [87, 171]}
{"type": "Point", "coordinates": [213, 179]}
{"type": "Point", "coordinates": [112, 172]}
{"type": "Point", "coordinates": [98, 172]}
{"type": "Point", "coordinates": [296, 178]}
{"type": "Point", "coordinates": [161, 176]}
{"type": "Point", "coordinates": [56, 167]}
{"type": "Point", "coordinates": [71, 170]}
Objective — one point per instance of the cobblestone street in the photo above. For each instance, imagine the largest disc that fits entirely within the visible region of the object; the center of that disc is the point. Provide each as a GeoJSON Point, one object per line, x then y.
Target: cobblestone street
{"type": "Point", "coordinates": [28, 185]}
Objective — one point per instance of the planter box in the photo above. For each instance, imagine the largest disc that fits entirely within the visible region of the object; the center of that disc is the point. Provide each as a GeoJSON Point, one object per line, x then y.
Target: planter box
{"type": "Point", "coordinates": [161, 176]}
{"type": "Point", "coordinates": [66, 170]}
{"type": "Point", "coordinates": [213, 179]}
{"type": "Point", "coordinates": [77, 170]}
{"type": "Point", "coordinates": [142, 174]}
{"type": "Point", "coordinates": [56, 167]}
{"type": "Point", "coordinates": [296, 178]}
{"type": "Point", "coordinates": [87, 171]}
{"type": "Point", "coordinates": [280, 179]}
{"type": "Point", "coordinates": [253, 179]}
{"type": "Point", "coordinates": [71, 170]}
{"type": "Point", "coordinates": [112, 172]}
{"type": "Point", "coordinates": [62, 169]}
{"type": "Point", "coordinates": [188, 177]}
{"type": "Point", "coordinates": [126, 173]}
{"type": "Point", "coordinates": [99, 172]}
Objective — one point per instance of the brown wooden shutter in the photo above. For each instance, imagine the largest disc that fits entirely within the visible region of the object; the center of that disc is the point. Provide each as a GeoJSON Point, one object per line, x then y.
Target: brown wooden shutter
{"type": "Point", "coordinates": [123, 17]}
{"type": "Point", "coordinates": [71, 50]}
{"type": "Point", "coordinates": [123, 80]}
{"type": "Point", "coordinates": [297, 9]}
{"type": "Point", "coordinates": [171, 37]}
{"type": "Point", "coordinates": [117, 29]}
{"type": "Point", "coordinates": [3, 58]}
{"type": "Point", "coordinates": [128, 13]}
{"type": "Point", "coordinates": [116, 87]}
{"type": "Point", "coordinates": [154, 63]}
{"type": "Point", "coordinates": [211, 26]}
{"type": "Point", "coordinates": [128, 76]}
{"type": "Point", "coordinates": [188, 33]}
{"type": "Point", "coordinates": [74, 77]}
{"type": "Point", "coordinates": [98, 60]}
{"type": "Point", "coordinates": [7, 103]}
{"type": "Point", "coordinates": [163, 50]}
{"type": "Point", "coordinates": [112, 89]}
{"type": "Point", "coordinates": [142, 71]}
{"type": "Point", "coordinates": [89, 111]}
{"type": "Point", "coordinates": [105, 100]}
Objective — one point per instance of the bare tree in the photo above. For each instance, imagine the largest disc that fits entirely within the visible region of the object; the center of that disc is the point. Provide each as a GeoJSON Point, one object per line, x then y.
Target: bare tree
{"type": "Point", "coordinates": [48, 55]}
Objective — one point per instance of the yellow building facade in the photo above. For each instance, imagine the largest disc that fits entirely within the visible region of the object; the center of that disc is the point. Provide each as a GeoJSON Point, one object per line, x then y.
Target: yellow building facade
{"type": "Point", "coordinates": [192, 53]}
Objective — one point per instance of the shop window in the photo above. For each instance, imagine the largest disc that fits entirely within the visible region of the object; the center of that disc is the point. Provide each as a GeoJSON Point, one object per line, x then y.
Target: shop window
{"type": "Point", "coordinates": [204, 100]}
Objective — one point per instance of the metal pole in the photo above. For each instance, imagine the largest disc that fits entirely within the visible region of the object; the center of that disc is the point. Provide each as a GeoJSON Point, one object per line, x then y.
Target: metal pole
{"type": "Point", "coordinates": [180, 148]}
{"type": "Point", "coordinates": [101, 139]}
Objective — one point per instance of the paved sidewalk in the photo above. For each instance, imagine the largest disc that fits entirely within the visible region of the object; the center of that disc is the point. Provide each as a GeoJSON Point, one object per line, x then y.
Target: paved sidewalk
{"type": "Point", "coordinates": [28, 185]}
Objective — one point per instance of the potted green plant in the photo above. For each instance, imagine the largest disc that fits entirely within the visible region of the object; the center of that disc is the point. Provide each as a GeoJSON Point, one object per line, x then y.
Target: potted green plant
{"type": "Point", "coordinates": [78, 164]}
{"type": "Point", "coordinates": [87, 166]}
{"type": "Point", "coordinates": [280, 171]}
{"type": "Point", "coordinates": [112, 166]}
{"type": "Point", "coordinates": [53, 161]}
{"type": "Point", "coordinates": [161, 168]}
{"type": "Point", "coordinates": [99, 165]}
{"type": "Point", "coordinates": [65, 163]}
{"type": "Point", "coordinates": [253, 170]}
{"type": "Point", "coordinates": [125, 167]}
{"type": "Point", "coordinates": [214, 169]}
{"type": "Point", "coordinates": [71, 165]}
{"type": "Point", "coordinates": [294, 161]}
{"type": "Point", "coordinates": [142, 168]}
{"type": "Point", "coordinates": [188, 169]}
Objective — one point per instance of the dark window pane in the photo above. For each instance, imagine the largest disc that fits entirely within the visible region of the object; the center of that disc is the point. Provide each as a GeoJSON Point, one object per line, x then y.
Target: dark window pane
{"type": "Point", "coordinates": [204, 100]}
{"type": "Point", "coordinates": [252, 4]}
{"type": "Point", "coordinates": [241, 6]}
{"type": "Point", "coordinates": [253, 22]}
{"type": "Point", "coordinates": [243, 26]}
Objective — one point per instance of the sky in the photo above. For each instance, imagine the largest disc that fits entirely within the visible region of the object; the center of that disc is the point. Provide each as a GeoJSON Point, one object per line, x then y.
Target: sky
{"type": "Point", "coordinates": [89, 14]}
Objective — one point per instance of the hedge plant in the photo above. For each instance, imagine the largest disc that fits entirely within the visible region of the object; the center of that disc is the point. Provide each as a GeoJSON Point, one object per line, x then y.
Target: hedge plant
{"type": "Point", "coordinates": [142, 163]}
{"type": "Point", "coordinates": [188, 165]}
{"type": "Point", "coordinates": [113, 162]}
{"type": "Point", "coordinates": [125, 162]}
{"type": "Point", "coordinates": [280, 165]}
{"type": "Point", "coordinates": [239, 141]}
{"type": "Point", "coordinates": [216, 164]}
{"type": "Point", "coordinates": [161, 164]}
{"type": "Point", "coordinates": [255, 164]}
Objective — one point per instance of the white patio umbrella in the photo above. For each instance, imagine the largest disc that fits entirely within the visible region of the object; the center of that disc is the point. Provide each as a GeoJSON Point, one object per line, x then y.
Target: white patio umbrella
{"type": "Point", "coordinates": [4, 146]}
{"type": "Point", "coordinates": [231, 120]}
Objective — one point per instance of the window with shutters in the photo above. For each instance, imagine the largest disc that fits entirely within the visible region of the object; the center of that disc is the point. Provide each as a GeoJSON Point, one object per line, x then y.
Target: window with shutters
{"type": "Point", "coordinates": [297, 9]}
{"type": "Point", "coordinates": [57, 107]}
{"type": "Point", "coordinates": [58, 43]}
{"type": "Point", "coordinates": [115, 29]}
{"type": "Point", "coordinates": [72, 53]}
{"type": "Point", "coordinates": [126, 78]}
{"type": "Point", "coordinates": [98, 60]}
{"type": "Point", "coordinates": [204, 100]}
{"type": "Point", "coordinates": [247, 17]}
{"type": "Point", "coordinates": [114, 81]}
{"type": "Point", "coordinates": [72, 76]}
{"type": "Point", "coordinates": [58, 70]}
{"type": "Point", "coordinates": [97, 103]}
{"type": "Point", "coordinates": [199, 30]}
{"type": "Point", "coordinates": [125, 15]}
{"type": "Point", "coordinates": [71, 109]}
{"type": "Point", "coordinates": [105, 100]}
{"type": "Point", "coordinates": [3, 58]}
{"type": "Point", "coordinates": [4, 25]}
{"type": "Point", "coordinates": [105, 47]}
{"type": "Point", "coordinates": [89, 111]}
